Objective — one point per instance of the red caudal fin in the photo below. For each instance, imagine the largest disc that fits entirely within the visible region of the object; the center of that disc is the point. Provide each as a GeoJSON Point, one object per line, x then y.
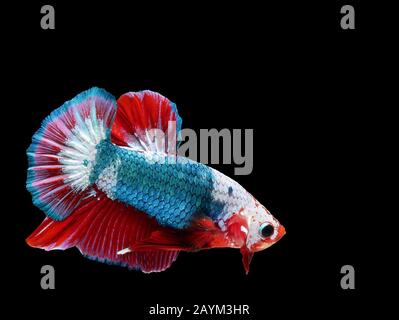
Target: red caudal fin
{"type": "Point", "coordinates": [62, 153]}
{"type": "Point", "coordinates": [105, 230]}
{"type": "Point", "coordinates": [146, 121]}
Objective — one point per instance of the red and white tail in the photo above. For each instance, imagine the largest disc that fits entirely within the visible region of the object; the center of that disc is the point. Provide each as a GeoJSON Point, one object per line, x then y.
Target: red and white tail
{"type": "Point", "coordinates": [63, 151]}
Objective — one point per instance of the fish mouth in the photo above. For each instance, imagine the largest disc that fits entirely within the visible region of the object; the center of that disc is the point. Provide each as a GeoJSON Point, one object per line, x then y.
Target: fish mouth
{"type": "Point", "coordinates": [281, 232]}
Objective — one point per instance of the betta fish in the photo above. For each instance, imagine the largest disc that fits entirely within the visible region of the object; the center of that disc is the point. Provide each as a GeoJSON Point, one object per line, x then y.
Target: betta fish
{"type": "Point", "coordinates": [122, 195]}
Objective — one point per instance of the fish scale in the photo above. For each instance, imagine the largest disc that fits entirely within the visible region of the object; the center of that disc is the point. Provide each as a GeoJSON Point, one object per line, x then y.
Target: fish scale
{"type": "Point", "coordinates": [186, 188]}
{"type": "Point", "coordinates": [138, 179]}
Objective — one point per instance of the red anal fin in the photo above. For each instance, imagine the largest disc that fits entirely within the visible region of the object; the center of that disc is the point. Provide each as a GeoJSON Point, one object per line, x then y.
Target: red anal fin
{"type": "Point", "coordinates": [50, 234]}
{"type": "Point", "coordinates": [202, 234]}
{"type": "Point", "coordinates": [102, 229]}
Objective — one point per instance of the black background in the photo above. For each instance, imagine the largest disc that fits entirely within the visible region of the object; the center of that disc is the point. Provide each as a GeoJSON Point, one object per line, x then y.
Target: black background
{"type": "Point", "coordinates": [288, 71]}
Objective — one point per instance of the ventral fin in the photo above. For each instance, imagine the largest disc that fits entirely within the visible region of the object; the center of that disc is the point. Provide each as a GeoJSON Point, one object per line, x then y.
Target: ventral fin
{"type": "Point", "coordinates": [247, 256]}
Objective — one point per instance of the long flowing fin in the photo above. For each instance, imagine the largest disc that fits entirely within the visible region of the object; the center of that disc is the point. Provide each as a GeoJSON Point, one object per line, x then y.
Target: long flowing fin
{"type": "Point", "coordinates": [146, 121]}
{"type": "Point", "coordinates": [106, 231]}
{"type": "Point", "coordinates": [202, 234]}
{"type": "Point", "coordinates": [63, 151]}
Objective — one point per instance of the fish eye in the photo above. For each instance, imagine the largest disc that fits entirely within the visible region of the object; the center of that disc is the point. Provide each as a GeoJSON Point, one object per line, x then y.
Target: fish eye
{"type": "Point", "coordinates": [266, 230]}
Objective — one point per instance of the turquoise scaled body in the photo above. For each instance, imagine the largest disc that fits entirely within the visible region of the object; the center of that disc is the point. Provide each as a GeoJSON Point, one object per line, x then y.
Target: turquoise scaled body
{"type": "Point", "coordinates": [171, 189]}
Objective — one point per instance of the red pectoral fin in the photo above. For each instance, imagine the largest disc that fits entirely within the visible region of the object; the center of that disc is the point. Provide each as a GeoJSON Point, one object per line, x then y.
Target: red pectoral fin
{"type": "Point", "coordinates": [246, 257]}
{"type": "Point", "coordinates": [237, 227]}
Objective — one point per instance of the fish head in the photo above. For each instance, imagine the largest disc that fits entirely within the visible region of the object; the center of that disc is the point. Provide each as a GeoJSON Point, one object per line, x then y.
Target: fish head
{"type": "Point", "coordinates": [260, 230]}
{"type": "Point", "coordinates": [264, 229]}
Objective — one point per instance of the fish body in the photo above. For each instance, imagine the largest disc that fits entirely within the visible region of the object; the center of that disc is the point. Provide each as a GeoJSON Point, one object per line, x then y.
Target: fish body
{"type": "Point", "coordinates": [118, 192]}
{"type": "Point", "coordinates": [172, 189]}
